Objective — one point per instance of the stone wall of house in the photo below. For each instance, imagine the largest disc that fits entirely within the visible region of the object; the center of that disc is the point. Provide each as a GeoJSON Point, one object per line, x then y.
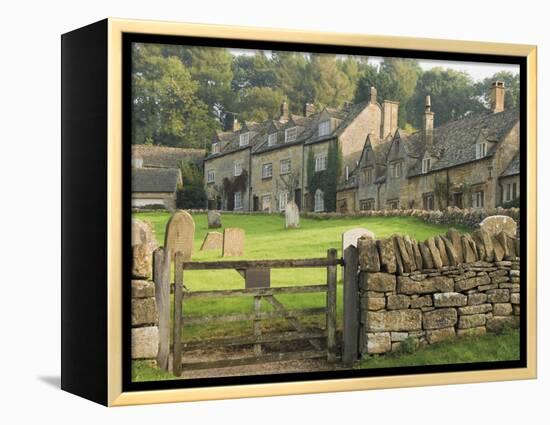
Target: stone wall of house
{"type": "Point", "coordinates": [445, 287]}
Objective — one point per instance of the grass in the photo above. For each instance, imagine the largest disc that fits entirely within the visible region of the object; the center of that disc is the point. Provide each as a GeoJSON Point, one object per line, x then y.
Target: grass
{"type": "Point", "coordinates": [486, 348]}
{"type": "Point", "coordinates": [266, 238]}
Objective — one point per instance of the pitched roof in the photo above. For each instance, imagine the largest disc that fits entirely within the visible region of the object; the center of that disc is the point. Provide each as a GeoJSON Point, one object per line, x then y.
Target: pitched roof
{"type": "Point", "coordinates": [512, 168]}
{"type": "Point", "coordinates": [155, 179]}
{"type": "Point", "coordinates": [164, 156]}
{"type": "Point", "coordinates": [454, 142]}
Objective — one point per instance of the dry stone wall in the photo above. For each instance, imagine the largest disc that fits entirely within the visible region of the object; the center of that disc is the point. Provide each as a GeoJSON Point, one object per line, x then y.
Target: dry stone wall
{"type": "Point", "coordinates": [145, 333]}
{"type": "Point", "coordinates": [447, 286]}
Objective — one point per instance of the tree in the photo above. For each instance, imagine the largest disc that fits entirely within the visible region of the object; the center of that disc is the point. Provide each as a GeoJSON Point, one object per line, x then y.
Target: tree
{"type": "Point", "coordinates": [166, 109]}
{"type": "Point", "coordinates": [259, 103]}
{"type": "Point", "coordinates": [511, 84]}
{"type": "Point", "coordinates": [294, 78]}
{"type": "Point", "coordinates": [453, 96]}
{"type": "Point", "coordinates": [332, 87]}
{"type": "Point", "coordinates": [253, 71]}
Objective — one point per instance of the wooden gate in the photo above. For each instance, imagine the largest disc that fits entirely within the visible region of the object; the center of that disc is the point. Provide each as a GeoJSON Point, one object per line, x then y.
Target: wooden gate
{"type": "Point", "coordinates": [322, 343]}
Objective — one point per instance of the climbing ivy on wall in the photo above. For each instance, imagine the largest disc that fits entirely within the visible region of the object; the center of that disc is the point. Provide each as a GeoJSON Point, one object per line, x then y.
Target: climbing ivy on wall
{"type": "Point", "coordinates": [325, 180]}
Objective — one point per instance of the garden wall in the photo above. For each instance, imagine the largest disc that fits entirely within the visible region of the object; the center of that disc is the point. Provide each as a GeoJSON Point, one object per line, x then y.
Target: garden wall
{"type": "Point", "coordinates": [447, 286]}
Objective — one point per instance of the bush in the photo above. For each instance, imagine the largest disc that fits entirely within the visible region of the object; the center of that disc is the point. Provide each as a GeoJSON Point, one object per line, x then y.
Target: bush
{"type": "Point", "coordinates": [191, 197]}
{"type": "Point", "coordinates": [514, 203]}
{"type": "Point", "coordinates": [408, 345]}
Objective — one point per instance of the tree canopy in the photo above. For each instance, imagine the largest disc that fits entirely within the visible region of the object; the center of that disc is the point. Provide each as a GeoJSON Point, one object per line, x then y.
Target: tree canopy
{"type": "Point", "coordinates": [181, 94]}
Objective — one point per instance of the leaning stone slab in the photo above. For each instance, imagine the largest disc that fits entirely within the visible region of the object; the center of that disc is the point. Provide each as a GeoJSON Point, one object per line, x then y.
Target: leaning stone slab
{"type": "Point", "coordinates": [498, 249]}
{"type": "Point", "coordinates": [442, 250]}
{"type": "Point", "coordinates": [386, 251]}
{"type": "Point", "coordinates": [440, 318]}
{"type": "Point", "coordinates": [212, 240]}
{"type": "Point", "coordinates": [454, 237]}
{"type": "Point", "coordinates": [468, 249]}
{"type": "Point", "coordinates": [498, 223]}
{"type": "Point", "coordinates": [482, 237]}
{"type": "Point", "coordinates": [145, 342]}
{"type": "Point", "coordinates": [436, 256]}
{"type": "Point", "coordinates": [180, 233]}
{"type": "Point", "coordinates": [369, 260]}
{"type": "Point", "coordinates": [417, 255]}
{"type": "Point", "coordinates": [427, 262]}
{"type": "Point", "coordinates": [233, 242]}
{"type": "Point", "coordinates": [508, 244]}
{"type": "Point", "coordinates": [214, 219]}
{"type": "Point", "coordinates": [396, 320]}
{"type": "Point", "coordinates": [450, 299]}
{"type": "Point", "coordinates": [438, 335]}
{"type": "Point", "coordinates": [452, 256]}
{"type": "Point", "coordinates": [410, 251]}
{"type": "Point", "coordinates": [406, 260]}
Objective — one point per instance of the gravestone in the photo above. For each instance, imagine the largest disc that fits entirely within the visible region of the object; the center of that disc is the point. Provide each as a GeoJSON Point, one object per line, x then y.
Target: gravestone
{"type": "Point", "coordinates": [350, 237]}
{"type": "Point", "coordinates": [292, 215]}
{"type": "Point", "coordinates": [499, 223]}
{"type": "Point", "coordinates": [233, 242]}
{"type": "Point", "coordinates": [144, 233]}
{"type": "Point", "coordinates": [180, 232]}
{"type": "Point", "coordinates": [212, 240]}
{"type": "Point", "coordinates": [257, 278]}
{"type": "Point", "coordinates": [214, 219]}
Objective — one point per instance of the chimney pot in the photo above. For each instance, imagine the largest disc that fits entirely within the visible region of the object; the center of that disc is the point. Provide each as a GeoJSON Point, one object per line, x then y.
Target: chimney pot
{"type": "Point", "coordinates": [373, 94]}
{"type": "Point", "coordinates": [428, 122]}
{"type": "Point", "coordinates": [284, 112]}
{"type": "Point", "coordinates": [309, 109]}
{"type": "Point", "coordinates": [497, 96]}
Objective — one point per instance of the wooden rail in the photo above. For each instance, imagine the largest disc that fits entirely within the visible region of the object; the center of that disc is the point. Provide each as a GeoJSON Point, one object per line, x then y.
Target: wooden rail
{"type": "Point", "coordinates": [258, 264]}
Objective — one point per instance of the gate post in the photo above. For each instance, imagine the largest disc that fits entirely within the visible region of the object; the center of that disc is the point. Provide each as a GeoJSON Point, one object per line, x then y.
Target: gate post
{"type": "Point", "coordinates": [351, 306]}
{"type": "Point", "coordinates": [332, 270]}
{"type": "Point", "coordinates": [177, 319]}
{"type": "Point", "coordinates": [161, 277]}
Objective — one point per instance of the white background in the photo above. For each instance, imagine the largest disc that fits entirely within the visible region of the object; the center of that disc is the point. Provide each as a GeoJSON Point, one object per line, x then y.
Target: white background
{"type": "Point", "coordinates": [30, 230]}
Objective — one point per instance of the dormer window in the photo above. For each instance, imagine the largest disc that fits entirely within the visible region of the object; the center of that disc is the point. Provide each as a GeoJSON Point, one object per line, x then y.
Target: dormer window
{"type": "Point", "coordinates": [215, 148]}
{"type": "Point", "coordinates": [426, 165]}
{"type": "Point", "coordinates": [291, 134]}
{"type": "Point", "coordinates": [238, 168]}
{"type": "Point", "coordinates": [324, 128]}
{"type": "Point", "coordinates": [396, 170]}
{"type": "Point", "coordinates": [481, 150]}
{"type": "Point", "coordinates": [244, 138]}
{"type": "Point", "coordinates": [271, 139]}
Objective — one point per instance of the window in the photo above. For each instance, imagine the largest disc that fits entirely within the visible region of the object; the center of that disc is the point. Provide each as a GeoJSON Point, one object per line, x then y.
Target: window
{"type": "Point", "coordinates": [366, 204]}
{"type": "Point", "coordinates": [320, 162]}
{"type": "Point", "coordinates": [395, 170]}
{"type": "Point", "coordinates": [367, 176]}
{"type": "Point", "coordinates": [324, 128]}
{"type": "Point", "coordinates": [238, 168]}
{"type": "Point", "coordinates": [428, 201]}
{"type": "Point", "coordinates": [290, 134]}
{"type": "Point", "coordinates": [210, 176]}
{"type": "Point", "coordinates": [271, 139]}
{"type": "Point", "coordinates": [244, 138]}
{"type": "Point", "coordinates": [426, 165]}
{"type": "Point", "coordinates": [457, 200]}
{"type": "Point", "coordinates": [319, 201]}
{"type": "Point", "coordinates": [238, 197]}
{"type": "Point", "coordinates": [215, 148]}
{"type": "Point", "coordinates": [285, 166]}
{"type": "Point", "coordinates": [510, 192]}
{"type": "Point", "coordinates": [481, 150]}
{"type": "Point", "coordinates": [515, 193]}
{"type": "Point", "coordinates": [478, 199]}
{"type": "Point", "coordinates": [393, 204]}
{"type": "Point", "coordinates": [267, 171]}
{"type": "Point", "coordinates": [283, 200]}
{"type": "Point", "coordinates": [266, 203]}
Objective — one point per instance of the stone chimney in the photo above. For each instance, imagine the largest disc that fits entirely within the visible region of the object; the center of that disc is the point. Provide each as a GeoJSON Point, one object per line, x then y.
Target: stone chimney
{"type": "Point", "coordinates": [428, 122]}
{"type": "Point", "coordinates": [309, 109]}
{"type": "Point", "coordinates": [497, 96]}
{"type": "Point", "coordinates": [373, 94]}
{"type": "Point", "coordinates": [284, 112]}
{"type": "Point", "coordinates": [230, 122]}
{"type": "Point", "coordinates": [389, 124]}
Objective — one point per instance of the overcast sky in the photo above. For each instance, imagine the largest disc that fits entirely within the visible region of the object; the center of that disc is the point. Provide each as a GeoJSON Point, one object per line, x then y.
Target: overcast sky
{"type": "Point", "coordinates": [477, 70]}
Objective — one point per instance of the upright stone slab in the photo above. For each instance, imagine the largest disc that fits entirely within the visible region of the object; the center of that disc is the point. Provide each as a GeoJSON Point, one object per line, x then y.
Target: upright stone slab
{"type": "Point", "coordinates": [180, 233]}
{"type": "Point", "coordinates": [387, 255]}
{"type": "Point", "coordinates": [212, 240]}
{"type": "Point", "coordinates": [499, 223]}
{"type": "Point", "coordinates": [369, 260]}
{"type": "Point", "coordinates": [144, 233]}
{"type": "Point", "coordinates": [142, 262]}
{"type": "Point", "coordinates": [214, 219]}
{"type": "Point", "coordinates": [233, 242]}
{"type": "Point", "coordinates": [292, 215]}
{"type": "Point", "coordinates": [350, 237]}
{"type": "Point", "coordinates": [456, 240]}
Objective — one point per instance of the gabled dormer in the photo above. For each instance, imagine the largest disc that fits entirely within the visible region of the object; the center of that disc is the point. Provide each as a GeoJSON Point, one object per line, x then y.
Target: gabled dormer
{"type": "Point", "coordinates": [427, 162]}
{"type": "Point", "coordinates": [272, 134]}
{"type": "Point", "coordinates": [484, 144]}
{"type": "Point", "coordinates": [291, 131]}
{"type": "Point", "coordinates": [244, 136]}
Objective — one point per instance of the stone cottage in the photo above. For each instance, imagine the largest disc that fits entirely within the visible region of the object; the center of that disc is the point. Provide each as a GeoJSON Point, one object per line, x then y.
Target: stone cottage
{"type": "Point", "coordinates": [468, 163]}
{"type": "Point", "coordinates": [275, 153]}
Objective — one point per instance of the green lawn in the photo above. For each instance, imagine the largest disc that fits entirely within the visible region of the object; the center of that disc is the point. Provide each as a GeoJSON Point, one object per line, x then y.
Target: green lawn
{"type": "Point", "coordinates": [266, 238]}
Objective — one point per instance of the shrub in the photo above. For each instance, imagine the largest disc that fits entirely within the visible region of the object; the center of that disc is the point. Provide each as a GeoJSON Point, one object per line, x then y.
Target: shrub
{"type": "Point", "coordinates": [191, 197]}
{"type": "Point", "coordinates": [514, 203]}
{"type": "Point", "coordinates": [408, 345]}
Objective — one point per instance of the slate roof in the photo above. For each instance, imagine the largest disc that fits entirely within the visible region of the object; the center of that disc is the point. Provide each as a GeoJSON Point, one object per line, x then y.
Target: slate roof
{"type": "Point", "coordinates": [512, 168]}
{"type": "Point", "coordinates": [164, 156]}
{"type": "Point", "coordinates": [454, 142]}
{"type": "Point", "coordinates": [155, 179]}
